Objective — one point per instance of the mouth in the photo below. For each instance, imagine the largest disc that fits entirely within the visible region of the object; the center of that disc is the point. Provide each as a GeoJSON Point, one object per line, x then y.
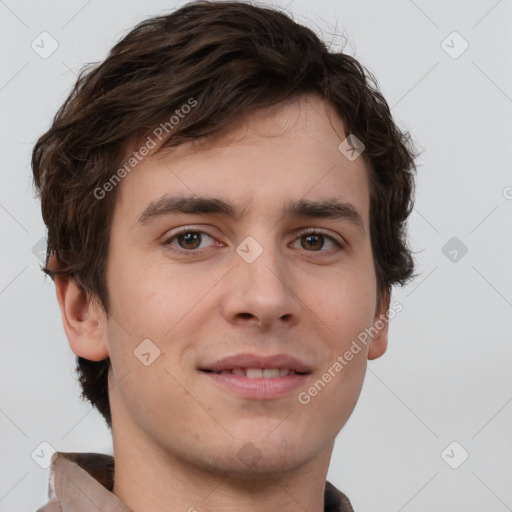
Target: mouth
{"type": "Point", "coordinates": [259, 377]}
{"type": "Point", "coordinates": [258, 373]}
{"type": "Point", "coordinates": [258, 383]}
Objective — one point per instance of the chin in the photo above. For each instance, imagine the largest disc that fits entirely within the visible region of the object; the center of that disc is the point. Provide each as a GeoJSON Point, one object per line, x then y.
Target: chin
{"type": "Point", "coordinates": [251, 459]}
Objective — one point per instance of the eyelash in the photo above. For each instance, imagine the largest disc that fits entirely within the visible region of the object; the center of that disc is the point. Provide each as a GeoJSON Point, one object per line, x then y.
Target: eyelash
{"type": "Point", "coordinates": [192, 252]}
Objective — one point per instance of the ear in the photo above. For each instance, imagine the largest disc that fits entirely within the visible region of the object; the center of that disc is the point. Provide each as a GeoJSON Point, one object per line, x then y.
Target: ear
{"type": "Point", "coordinates": [379, 342]}
{"type": "Point", "coordinates": [84, 322]}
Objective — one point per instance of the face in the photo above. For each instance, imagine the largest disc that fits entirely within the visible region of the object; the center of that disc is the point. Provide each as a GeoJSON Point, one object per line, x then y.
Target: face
{"type": "Point", "coordinates": [201, 284]}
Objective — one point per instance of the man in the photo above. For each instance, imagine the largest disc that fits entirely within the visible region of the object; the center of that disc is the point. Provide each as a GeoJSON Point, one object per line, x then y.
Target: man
{"type": "Point", "coordinates": [226, 204]}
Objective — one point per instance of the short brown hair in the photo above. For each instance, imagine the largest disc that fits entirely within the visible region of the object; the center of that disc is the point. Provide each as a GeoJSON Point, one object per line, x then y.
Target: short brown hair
{"type": "Point", "coordinates": [233, 58]}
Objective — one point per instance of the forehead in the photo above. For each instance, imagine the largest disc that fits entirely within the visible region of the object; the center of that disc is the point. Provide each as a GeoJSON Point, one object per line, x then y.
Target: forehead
{"type": "Point", "coordinates": [261, 162]}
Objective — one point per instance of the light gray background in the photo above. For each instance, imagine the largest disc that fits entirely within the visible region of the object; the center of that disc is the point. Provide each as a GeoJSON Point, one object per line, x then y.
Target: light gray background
{"type": "Point", "coordinates": [446, 375]}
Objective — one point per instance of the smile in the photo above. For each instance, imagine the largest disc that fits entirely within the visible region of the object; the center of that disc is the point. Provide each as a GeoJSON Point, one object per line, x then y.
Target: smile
{"type": "Point", "coordinates": [257, 383]}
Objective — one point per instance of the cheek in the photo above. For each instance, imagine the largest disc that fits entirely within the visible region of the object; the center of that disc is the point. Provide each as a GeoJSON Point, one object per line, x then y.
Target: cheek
{"type": "Point", "coordinates": [166, 306]}
{"type": "Point", "coordinates": [148, 294]}
{"type": "Point", "coordinates": [349, 299]}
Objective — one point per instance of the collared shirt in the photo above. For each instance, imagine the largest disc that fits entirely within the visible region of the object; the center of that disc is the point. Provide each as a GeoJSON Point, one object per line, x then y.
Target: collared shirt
{"type": "Point", "coordinates": [83, 482]}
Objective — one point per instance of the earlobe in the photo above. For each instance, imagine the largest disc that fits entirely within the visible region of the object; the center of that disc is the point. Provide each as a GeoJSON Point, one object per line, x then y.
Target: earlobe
{"type": "Point", "coordinates": [83, 320]}
{"type": "Point", "coordinates": [379, 341]}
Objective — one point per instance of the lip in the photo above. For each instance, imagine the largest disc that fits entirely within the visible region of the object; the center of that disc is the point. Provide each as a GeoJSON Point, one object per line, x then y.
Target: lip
{"type": "Point", "coordinates": [256, 361]}
{"type": "Point", "coordinates": [259, 388]}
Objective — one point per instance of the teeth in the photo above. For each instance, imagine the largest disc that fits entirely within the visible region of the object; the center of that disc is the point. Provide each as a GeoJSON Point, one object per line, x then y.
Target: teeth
{"type": "Point", "coordinates": [258, 373]}
{"type": "Point", "coordinates": [254, 373]}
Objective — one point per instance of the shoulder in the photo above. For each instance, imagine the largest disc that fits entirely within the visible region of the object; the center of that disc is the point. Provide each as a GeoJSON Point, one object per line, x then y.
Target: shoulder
{"type": "Point", "coordinates": [52, 506]}
{"type": "Point", "coordinates": [335, 500]}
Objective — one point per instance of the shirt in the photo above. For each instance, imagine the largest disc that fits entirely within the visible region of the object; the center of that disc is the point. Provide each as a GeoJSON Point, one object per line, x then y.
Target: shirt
{"type": "Point", "coordinates": [83, 482]}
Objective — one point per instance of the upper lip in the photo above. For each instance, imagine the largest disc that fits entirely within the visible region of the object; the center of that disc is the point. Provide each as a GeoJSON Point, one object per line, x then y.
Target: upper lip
{"type": "Point", "coordinates": [256, 361]}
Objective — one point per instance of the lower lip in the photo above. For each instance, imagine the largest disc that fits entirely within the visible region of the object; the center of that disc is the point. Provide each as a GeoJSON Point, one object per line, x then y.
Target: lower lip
{"type": "Point", "coordinates": [259, 388]}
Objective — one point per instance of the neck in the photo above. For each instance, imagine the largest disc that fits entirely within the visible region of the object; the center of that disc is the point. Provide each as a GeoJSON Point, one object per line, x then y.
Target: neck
{"type": "Point", "coordinates": [152, 479]}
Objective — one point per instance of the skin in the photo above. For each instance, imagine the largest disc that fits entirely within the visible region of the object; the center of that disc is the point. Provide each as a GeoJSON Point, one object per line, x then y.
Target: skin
{"type": "Point", "coordinates": [176, 434]}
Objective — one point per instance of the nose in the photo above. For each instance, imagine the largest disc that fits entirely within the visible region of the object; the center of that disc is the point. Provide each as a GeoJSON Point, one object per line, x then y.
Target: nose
{"type": "Point", "coordinates": [259, 290]}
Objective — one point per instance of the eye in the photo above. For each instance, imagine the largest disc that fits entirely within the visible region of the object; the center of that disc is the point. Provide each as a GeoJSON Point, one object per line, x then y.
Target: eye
{"type": "Point", "coordinates": [314, 240]}
{"type": "Point", "coordinates": [188, 240]}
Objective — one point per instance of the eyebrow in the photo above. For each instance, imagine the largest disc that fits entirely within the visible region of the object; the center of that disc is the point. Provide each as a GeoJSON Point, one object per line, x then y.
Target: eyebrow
{"type": "Point", "coordinates": [321, 209]}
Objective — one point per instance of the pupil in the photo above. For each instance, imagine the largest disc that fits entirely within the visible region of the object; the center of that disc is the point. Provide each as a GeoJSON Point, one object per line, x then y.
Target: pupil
{"type": "Point", "coordinates": [317, 237]}
{"type": "Point", "coordinates": [190, 238]}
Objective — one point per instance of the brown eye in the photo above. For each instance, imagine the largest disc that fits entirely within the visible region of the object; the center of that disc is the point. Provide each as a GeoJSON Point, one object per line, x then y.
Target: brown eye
{"type": "Point", "coordinates": [187, 241]}
{"type": "Point", "coordinates": [191, 240]}
{"type": "Point", "coordinates": [312, 241]}
{"type": "Point", "coordinates": [315, 241]}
